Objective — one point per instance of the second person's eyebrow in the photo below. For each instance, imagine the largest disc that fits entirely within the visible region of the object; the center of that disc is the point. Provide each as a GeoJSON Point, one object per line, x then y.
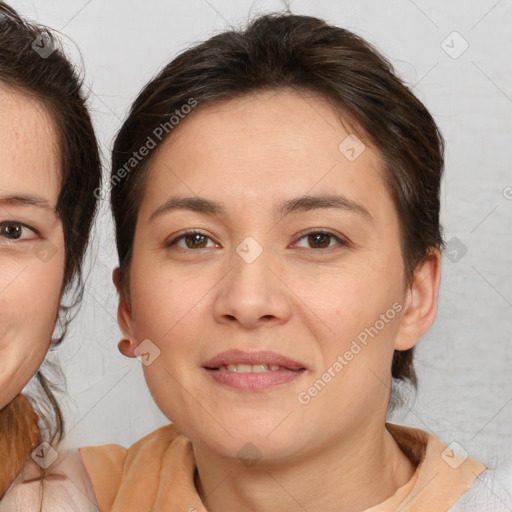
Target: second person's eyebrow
{"type": "Point", "coordinates": [307, 203]}
{"type": "Point", "coordinates": [195, 204]}
{"type": "Point", "coordinates": [287, 207]}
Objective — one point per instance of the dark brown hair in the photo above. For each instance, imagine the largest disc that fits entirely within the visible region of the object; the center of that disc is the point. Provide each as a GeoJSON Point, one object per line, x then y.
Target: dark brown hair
{"type": "Point", "coordinates": [52, 80]}
{"type": "Point", "coordinates": [304, 54]}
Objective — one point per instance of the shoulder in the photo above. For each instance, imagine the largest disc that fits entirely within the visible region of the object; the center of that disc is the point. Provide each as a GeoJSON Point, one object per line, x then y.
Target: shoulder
{"type": "Point", "coordinates": [157, 441]}
{"type": "Point", "coordinates": [62, 486]}
{"type": "Point", "coordinates": [492, 491]}
{"type": "Point", "coordinates": [108, 464]}
{"type": "Point", "coordinates": [112, 457]}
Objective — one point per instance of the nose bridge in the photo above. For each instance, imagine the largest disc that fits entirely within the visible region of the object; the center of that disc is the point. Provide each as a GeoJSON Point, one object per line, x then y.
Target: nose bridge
{"type": "Point", "coordinates": [251, 292]}
{"type": "Point", "coordinates": [251, 267]}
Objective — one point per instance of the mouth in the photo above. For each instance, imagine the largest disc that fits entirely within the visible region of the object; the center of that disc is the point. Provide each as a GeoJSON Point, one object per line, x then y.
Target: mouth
{"type": "Point", "coordinates": [252, 368]}
{"type": "Point", "coordinates": [255, 362]}
{"type": "Point", "coordinates": [253, 371]}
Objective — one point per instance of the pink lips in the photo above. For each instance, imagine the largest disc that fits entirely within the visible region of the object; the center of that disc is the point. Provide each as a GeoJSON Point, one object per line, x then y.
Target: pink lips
{"type": "Point", "coordinates": [238, 356]}
{"type": "Point", "coordinates": [288, 370]}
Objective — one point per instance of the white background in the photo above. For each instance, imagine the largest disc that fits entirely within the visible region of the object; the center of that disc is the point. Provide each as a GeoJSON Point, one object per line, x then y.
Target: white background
{"type": "Point", "coordinates": [465, 361]}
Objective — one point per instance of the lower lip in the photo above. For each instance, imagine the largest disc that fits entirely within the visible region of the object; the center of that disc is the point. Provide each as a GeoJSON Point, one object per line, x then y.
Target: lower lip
{"type": "Point", "coordinates": [254, 381]}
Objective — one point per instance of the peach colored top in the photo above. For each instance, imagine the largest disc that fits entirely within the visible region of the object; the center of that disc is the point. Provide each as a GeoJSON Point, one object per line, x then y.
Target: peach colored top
{"type": "Point", "coordinates": [157, 474]}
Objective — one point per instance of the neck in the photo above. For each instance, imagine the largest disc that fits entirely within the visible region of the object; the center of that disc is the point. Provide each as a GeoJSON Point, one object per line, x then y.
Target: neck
{"type": "Point", "coordinates": [352, 474]}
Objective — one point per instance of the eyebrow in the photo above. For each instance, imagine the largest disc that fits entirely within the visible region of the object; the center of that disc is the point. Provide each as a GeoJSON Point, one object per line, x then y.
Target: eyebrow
{"type": "Point", "coordinates": [195, 204]}
{"type": "Point", "coordinates": [307, 203]}
{"type": "Point", "coordinates": [290, 206]}
{"type": "Point", "coordinates": [25, 200]}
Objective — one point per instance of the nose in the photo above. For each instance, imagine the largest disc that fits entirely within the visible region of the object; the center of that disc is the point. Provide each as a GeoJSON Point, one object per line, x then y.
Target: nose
{"type": "Point", "coordinates": [252, 294]}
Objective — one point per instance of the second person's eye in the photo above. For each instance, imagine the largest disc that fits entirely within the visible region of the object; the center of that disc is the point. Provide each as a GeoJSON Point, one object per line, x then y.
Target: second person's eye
{"type": "Point", "coordinates": [321, 239]}
{"type": "Point", "coordinates": [192, 239]}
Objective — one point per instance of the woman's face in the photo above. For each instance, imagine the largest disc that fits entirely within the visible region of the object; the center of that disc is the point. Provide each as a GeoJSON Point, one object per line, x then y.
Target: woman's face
{"type": "Point", "coordinates": [296, 279]}
{"type": "Point", "coordinates": [31, 240]}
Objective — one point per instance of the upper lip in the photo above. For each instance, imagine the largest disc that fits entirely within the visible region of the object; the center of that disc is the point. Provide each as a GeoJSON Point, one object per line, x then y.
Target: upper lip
{"type": "Point", "coordinates": [261, 357]}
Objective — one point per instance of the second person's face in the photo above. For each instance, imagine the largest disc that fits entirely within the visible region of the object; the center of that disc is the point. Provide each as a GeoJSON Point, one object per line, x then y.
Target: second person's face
{"type": "Point", "coordinates": [295, 253]}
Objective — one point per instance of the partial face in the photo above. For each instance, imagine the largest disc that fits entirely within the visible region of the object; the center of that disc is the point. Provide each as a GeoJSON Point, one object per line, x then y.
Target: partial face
{"type": "Point", "coordinates": [267, 271]}
{"type": "Point", "coordinates": [31, 240]}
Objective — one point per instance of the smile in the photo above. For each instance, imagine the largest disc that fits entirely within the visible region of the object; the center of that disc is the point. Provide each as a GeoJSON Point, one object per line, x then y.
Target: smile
{"type": "Point", "coordinates": [248, 368]}
{"type": "Point", "coordinates": [252, 371]}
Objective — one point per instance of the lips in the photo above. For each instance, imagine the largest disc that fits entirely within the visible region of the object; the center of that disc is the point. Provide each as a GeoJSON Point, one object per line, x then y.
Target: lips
{"type": "Point", "coordinates": [253, 371]}
{"type": "Point", "coordinates": [239, 357]}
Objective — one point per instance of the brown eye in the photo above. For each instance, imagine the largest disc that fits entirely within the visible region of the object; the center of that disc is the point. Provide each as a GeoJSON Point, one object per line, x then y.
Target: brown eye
{"type": "Point", "coordinates": [192, 239]}
{"type": "Point", "coordinates": [321, 240]}
{"type": "Point", "coordinates": [196, 241]}
{"type": "Point", "coordinates": [10, 230]}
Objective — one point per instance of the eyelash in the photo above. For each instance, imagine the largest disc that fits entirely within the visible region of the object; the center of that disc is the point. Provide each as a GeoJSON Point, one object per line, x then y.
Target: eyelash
{"type": "Point", "coordinates": [341, 241]}
{"type": "Point", "coordinates": [182, 236]}
{"type": "Point", "coordinates": [12, 223]}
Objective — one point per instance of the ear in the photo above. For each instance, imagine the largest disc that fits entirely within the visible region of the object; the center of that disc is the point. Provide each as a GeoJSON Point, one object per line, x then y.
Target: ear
{"type": "Point", "coordinates": [420, 306]}
{"type": "Point", "coordinates": [128, 344]}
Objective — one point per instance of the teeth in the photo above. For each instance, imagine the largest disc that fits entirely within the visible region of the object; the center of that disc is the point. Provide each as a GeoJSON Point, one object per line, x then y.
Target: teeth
{"type": "Point", "coordinates": [248, 368]}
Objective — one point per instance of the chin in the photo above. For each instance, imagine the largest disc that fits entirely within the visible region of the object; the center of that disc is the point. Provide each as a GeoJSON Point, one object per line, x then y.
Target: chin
{"type": "Point", "coordinates": [249, 440]}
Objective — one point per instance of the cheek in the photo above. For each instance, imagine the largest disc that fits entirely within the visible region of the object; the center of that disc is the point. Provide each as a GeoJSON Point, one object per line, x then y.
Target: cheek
{"type": "Point", "coordinates": [166, 303]}
{"type": "Point", "coordinates": [360, 309]}
{"type": "Point", "coordinates": [174, 314]}
{"type": "Point", "coordinates": [174, 322]}
{"type": "Point", "coordinates": [28, 311]}
{"type": "Point", "coordinates": [352, 299]}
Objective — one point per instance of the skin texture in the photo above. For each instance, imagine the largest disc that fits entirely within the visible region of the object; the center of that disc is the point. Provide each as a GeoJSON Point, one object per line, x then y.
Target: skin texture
{"type": "Point", "coordinates": [31, 265]}
{"type": "Point", "coordinates": [304, 298]}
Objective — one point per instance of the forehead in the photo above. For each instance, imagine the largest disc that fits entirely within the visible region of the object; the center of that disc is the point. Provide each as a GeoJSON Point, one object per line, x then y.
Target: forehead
{"type": "Point", "coordinates": [263, 148]}
{"type": "Point", "coordinates": [29, 155]}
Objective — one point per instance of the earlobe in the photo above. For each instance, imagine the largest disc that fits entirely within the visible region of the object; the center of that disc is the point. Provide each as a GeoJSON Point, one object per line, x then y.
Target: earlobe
{"type": "Point", "coordinates": [128, 344]}
{"type": "Point", "coordinates": [126, 348]}
{"type": "Point", "coordinates": [420, 305]}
